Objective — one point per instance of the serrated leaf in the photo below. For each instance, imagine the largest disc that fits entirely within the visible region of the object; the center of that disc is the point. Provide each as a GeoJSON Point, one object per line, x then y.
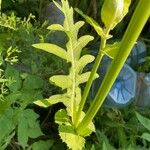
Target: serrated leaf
{"type": "Point", "coordinates": [92, 22]}
{"type": "Point", "coordinates": [146, 136]}
{"type": "Point", "coordinates": [28, 126]}
{"type": "Point", "coordinates": [83, 61]}
{"type": "Point", "coordinates": [56, 27]}
{"type": "Point", "coordinates": [34, 130]}
{"type": "Point", "coordinates": [12, 73]}
{"type": "Point", "coordinates": [67, 131]}
{"type": "Point", "coordinates": [111, 50]}
{"type": "Point", "coordinates": [113, 12]}
{"type": "Point", "coordinates": [144, 121]}
{"type": "Point", "coordinates": [62, 81]}
{"type": "Point", "coordinates": [84, 77]}
{"type": "Point", "coordinates": [53, 49]}
{"type": "Point", "coordinates": [69, 136]}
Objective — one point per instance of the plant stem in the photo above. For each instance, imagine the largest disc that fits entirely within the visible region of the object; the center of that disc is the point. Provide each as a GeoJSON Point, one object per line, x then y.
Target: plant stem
{"type": "Point", "coordinates": [133, 31]}
{"type": "Point", "coordinates": [91, 78]}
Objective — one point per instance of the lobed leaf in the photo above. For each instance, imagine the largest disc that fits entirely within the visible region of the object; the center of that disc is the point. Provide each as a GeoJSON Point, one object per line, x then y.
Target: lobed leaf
{"type": "Point", "coordinates": [67, 131]}
{"type": "Point", "coordinates": [53, 49]}
{"type": "Point", "coordinates": [56, 27]}
{"type": "Point", "coordinates": [84, 77]}
{"type": "Point", "coordinates": [62, 81]}
{"type": "Point", "coordinates": [53, 100]}
{"type": "Point", "coordinates": [81, 43]}
{"type": "Point", "coordinates": [83, 61]}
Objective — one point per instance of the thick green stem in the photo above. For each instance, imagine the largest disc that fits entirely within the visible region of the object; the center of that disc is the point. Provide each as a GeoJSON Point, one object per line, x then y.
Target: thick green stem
{"type": "Point", "coordinates": [91, 78]}
{"type": "Point", "coordinates": [133, 31]}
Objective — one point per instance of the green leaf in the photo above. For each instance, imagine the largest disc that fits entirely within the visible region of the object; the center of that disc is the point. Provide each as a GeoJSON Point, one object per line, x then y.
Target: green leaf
{"type": "Point", "coordinates": [83, 61]}
{"type": "Point", "coordinates": [113, 12]}
{"type": "Point", "coordinates": [6, 124]}
{"type": "Point", "coordinates": [70, 82]}
{"type": "Point", "coordinates": [34, 130]}
{"type": "Point", "coordinates": [67, 131]}
{"type": "Point", "coordinates": [84, 77]}
{"type": "Point", "coordinates": [146, 136]}
{"type": "Point", "coordinates": [56, 27]}
{"type": "Point", "coordinates": [58, 6]}
{"type": "Point", "coordinates": [23, 132]}
{"type": "Point", "coordinates": [53, 49]}
{"type": "Point", "coordinates": [126, 7]}
{"type": "Point", "coordinates": [53, 100]}
{"type": "Point", "coordinates": [13, 74]}
{"type": "Point", "coordinates": [81, 43]}
{"type": "Point", "coordinates": [111, 50]}
{"type": "Point", "coordinates": [62, 81]}
{"type": "Point", "coordinates": [33, 82]}
{"type": "Point", "coordinates": [104, 146]}
{"type": "Point", "coordinates": [61, 117]}
{"type": "Point", "coordinates": [92, 22]}
{"type": "Point", "coordinates": [45, 145]}
{"type": "Point", "coordinates": [144, 121]}
{"type": "Point", "coordinates": [28, 126]}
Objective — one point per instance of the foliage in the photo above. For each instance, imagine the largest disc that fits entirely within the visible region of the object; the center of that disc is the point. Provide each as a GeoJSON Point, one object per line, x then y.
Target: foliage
{"type": "Point", "coordinates": [19, 84]}
{"type": "Point", "coordinates": [72, 96]}
{"type": "Point", "coordinates": [24, 73]}
{"type": "Point", "coordinates": [146, 123]}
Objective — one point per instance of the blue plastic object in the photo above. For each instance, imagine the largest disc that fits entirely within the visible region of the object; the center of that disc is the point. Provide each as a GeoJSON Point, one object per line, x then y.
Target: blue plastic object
{"type": "Point", "coordinates": [124, 89]}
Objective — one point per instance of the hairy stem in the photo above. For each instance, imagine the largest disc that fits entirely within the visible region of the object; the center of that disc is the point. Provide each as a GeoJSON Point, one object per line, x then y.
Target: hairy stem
{"type": "Point", "coordinates": [132, 33]}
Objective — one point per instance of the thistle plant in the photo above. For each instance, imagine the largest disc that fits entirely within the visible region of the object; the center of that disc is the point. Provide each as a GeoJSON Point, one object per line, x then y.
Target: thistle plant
{"type": "Point", "coordinates": [74, 123]}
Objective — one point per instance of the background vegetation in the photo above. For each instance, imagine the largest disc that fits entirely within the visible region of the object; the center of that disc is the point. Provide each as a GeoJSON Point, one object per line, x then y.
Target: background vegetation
{"type": "Point", "coordinates": [24, 75]}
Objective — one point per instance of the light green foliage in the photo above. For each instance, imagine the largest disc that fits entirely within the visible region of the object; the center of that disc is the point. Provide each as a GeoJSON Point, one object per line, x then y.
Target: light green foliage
{"type": "Point", "coordinates": [71, 82]}
{"type": "Point", "coordinates": [111, 50]}
{"type": "Point", "coordinates": [113, 12]}
{"type": "Point", "coordinates": [54, 49]}
{"type": "Point", "coordinates": [92, 22]}
{"type": "Point", "coordinates": [67, 131]}
{"type": "Point", "coordinates": [146, 123]}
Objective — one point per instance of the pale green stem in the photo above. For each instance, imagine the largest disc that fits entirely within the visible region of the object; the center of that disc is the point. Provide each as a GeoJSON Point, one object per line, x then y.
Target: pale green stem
{"type": "Point", "coordinates": [133, 31]}
{"type": "Point", "coordinates": [91, 78]}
